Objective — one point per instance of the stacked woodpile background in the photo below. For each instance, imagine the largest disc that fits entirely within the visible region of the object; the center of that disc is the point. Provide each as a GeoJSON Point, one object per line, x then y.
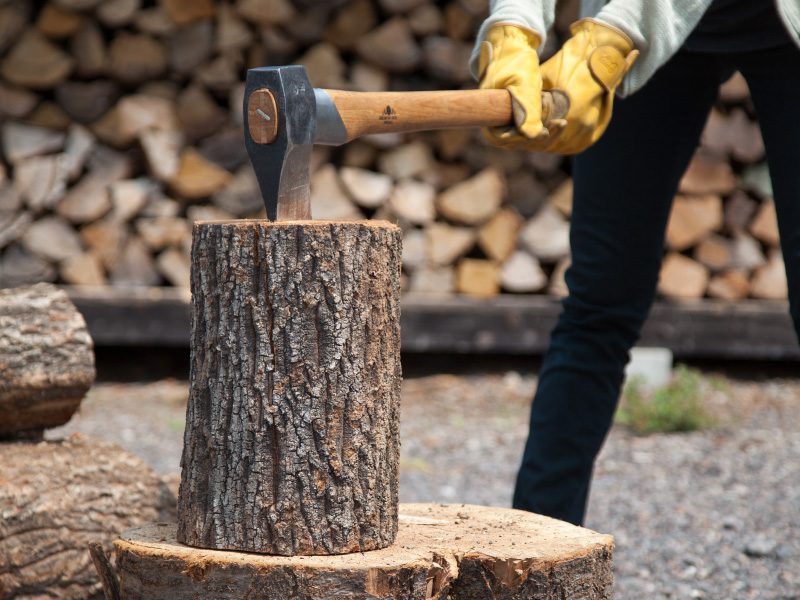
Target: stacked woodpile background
{"type": "Point", "coordinates": [121, 126]}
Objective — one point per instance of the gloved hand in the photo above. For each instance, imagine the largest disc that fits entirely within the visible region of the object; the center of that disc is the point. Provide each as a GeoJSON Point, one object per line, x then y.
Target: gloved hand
{"type": "Point", "coordinates": [589, 67]}
{"type": "Point", "coordinates": [509, 60]}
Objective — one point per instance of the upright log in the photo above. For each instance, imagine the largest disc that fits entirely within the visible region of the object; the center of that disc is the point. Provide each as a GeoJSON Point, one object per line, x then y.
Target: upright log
{"type": "Point", "coordinates": [292, 442]}
{"type": "Point", "coordinates": [46, 360]}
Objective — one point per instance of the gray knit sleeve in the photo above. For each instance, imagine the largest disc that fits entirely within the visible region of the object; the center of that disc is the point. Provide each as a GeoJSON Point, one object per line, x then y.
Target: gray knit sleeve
{"type": "Point", "coordinates": [658, 29]}
{"type": "Point", "coordinates": [536, 15]}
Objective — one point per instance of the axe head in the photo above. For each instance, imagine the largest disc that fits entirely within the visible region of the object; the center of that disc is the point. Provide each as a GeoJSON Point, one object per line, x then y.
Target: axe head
{"type": "Point", "coordinates": [279, 128]}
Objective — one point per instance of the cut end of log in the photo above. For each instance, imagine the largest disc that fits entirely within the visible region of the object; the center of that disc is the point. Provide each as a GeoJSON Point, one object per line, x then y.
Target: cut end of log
{"type": "Point", "coordinates": [458, 552]}
{"type": "Point", "coordinates": [313, 224]}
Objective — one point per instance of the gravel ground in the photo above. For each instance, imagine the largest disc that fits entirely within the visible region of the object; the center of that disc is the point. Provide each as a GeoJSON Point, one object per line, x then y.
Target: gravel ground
{"type": "Point", "coordinates": [713, 514]}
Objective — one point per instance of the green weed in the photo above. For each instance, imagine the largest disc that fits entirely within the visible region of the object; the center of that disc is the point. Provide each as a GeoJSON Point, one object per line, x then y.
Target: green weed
{"type": "Point", "coordinates": [676, 407]}
{"type": "Point", "coordinates": [176, 424]}
{"type": "Point", "coordinates": [416, 463]}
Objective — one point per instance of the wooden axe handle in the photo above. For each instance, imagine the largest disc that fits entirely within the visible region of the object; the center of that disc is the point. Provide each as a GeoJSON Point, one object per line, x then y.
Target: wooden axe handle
{"type": "Point", "coordinates": [364, 113]}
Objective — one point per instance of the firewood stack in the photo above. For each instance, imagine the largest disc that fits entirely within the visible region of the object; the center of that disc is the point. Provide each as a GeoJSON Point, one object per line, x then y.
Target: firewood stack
{"type": "Point", "coordinates": [121, 125]}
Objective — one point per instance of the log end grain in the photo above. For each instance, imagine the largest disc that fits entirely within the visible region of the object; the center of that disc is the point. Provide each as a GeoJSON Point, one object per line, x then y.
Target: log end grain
{"type": "Point", "coordinates": [454, 552]}
{"type": "Point", "coordinates": [317, 224]}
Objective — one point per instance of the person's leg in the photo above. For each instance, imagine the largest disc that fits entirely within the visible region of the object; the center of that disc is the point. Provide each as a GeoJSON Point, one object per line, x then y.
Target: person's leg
{"type": "Point", "coordinates": [774, 80]}
{"type": "Point", "coordinates": [624, 186]}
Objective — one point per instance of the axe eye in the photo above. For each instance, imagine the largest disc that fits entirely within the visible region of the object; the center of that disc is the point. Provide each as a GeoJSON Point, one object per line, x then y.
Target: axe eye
{"type": "Point", "coordinates": [263, 127]}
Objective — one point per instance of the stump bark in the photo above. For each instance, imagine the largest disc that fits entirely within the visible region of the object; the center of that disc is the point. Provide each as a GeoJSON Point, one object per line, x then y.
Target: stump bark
{"type": "Point", "coordinates": [46, 360]}
{"type": "Point", "coordinates": [454, 552]}
{"type": "Point", "coordinates": [292, 428]}
{"type": "Point", "coordinates": [58, 497]}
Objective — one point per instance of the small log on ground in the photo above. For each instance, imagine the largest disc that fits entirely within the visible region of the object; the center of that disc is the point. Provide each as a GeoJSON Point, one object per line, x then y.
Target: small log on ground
{"type": "Point", "coordinates": [46, 360]}
{"type": "Point", "coordinates": [292, 441]}
{"type": "Point", "coordinates": [58, 497]}
{"type": "Point", "coordinates": [453, 552]}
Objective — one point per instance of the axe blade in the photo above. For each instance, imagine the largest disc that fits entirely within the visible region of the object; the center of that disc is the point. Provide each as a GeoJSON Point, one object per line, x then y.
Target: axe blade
{"type": "Point", "coordinates": [282, 160]}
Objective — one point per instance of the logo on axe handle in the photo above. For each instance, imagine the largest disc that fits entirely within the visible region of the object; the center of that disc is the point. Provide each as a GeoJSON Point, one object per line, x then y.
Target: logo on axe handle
{"type": "Point", "coordinates": [388, 116]}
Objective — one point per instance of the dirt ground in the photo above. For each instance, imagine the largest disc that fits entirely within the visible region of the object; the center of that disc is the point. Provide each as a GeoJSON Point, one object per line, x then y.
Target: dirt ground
{"type": "Point", "coordinates": [712, 514]}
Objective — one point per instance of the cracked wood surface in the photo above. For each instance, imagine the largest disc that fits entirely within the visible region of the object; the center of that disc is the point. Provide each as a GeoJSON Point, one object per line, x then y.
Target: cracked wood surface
{"type": "Point", "coordinates": [46, 360]}
{"type": "Point", "coordinates": [292, 428]}
{"type": "Point", "coordinates": [442, 552]}
{"type": "Point", "coordinates": [55, 499]}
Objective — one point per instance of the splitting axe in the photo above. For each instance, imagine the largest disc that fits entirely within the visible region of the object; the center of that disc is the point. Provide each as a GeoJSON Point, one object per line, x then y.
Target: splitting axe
{"type": "Point", "coordinates": [284, 116]}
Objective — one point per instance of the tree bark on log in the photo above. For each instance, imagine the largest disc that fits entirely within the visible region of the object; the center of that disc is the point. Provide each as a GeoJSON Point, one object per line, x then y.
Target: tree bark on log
{"type": "Point", "coordinates": [46, 360]}
{"type": "Point", "coordinates": [58, 497]}
{"type": "Point", "coordinates": [292, 427]}
{"type": "Point", "coordinates": [453, 552]}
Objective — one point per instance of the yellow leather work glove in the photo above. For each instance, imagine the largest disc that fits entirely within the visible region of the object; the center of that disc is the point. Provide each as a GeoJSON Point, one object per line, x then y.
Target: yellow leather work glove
{"type": "Point", "coordinates": [588, 68]}
{"type": "Point", "coordinates": [509, 60]}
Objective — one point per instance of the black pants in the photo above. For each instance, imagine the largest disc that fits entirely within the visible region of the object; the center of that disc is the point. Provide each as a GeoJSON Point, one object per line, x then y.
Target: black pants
{"type": "Point", "coordinates": [624, 187]}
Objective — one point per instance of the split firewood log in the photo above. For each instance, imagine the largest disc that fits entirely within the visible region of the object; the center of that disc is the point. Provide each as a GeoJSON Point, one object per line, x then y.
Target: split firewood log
{"type": "Point", "coordinates": [769, 281]}
{"type": "Point", "coordinates": [730, 285]}
{"type": "Point", "coordinates": [475, 200]}
{"type": "Point", "coordinates": [692, 219]}
{"type": "Point", "coordinates": [478, 278]}
{"type": "Point", "coordinates": [765, 224]}
{"type": "Point", "coordinates": [498, 237]}
{"type": "Point", "coordinates": [682, 278]}
{"type": "Point", "coordinates": [708, 174]}
{"type": "Point", "coordinates": [546, 235]}
{"type": "Point", "coordinates": [522, 273]}
{"type": "Point", "coordinates": [36, 63]}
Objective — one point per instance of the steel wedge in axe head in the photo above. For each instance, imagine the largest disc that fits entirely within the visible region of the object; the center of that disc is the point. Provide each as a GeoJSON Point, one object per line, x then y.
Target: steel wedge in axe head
{"type": "Point", "coordinates": [284, 116]}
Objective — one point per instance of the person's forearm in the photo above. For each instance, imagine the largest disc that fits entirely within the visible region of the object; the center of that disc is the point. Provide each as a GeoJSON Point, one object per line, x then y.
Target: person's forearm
{"type": "Point", "coordinates": [658, 26]}
{"type": "Point", "coordinates": [658, 29]}
{"type": "Point", "coordinates": [536, 15]}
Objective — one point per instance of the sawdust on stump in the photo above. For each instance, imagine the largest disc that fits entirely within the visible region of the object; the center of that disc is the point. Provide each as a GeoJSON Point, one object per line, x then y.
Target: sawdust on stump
{"type": "Point", "coordinates": [456, 552]}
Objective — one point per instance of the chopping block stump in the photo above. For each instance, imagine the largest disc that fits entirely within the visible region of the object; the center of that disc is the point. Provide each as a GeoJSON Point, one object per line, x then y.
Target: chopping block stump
{"type": "Point", "coordinates": [443, 552]}
{"type": "Point", "coordinates": [292, 443]}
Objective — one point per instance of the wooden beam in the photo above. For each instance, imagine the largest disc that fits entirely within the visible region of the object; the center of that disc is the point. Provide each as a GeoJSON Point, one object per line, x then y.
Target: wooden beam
{"type": "Point", "coordinates": [521, 324]}
{"type": "Point", "coordinates": [750, 329]}
{"type": "Point", "coordinates": [135, 316]}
